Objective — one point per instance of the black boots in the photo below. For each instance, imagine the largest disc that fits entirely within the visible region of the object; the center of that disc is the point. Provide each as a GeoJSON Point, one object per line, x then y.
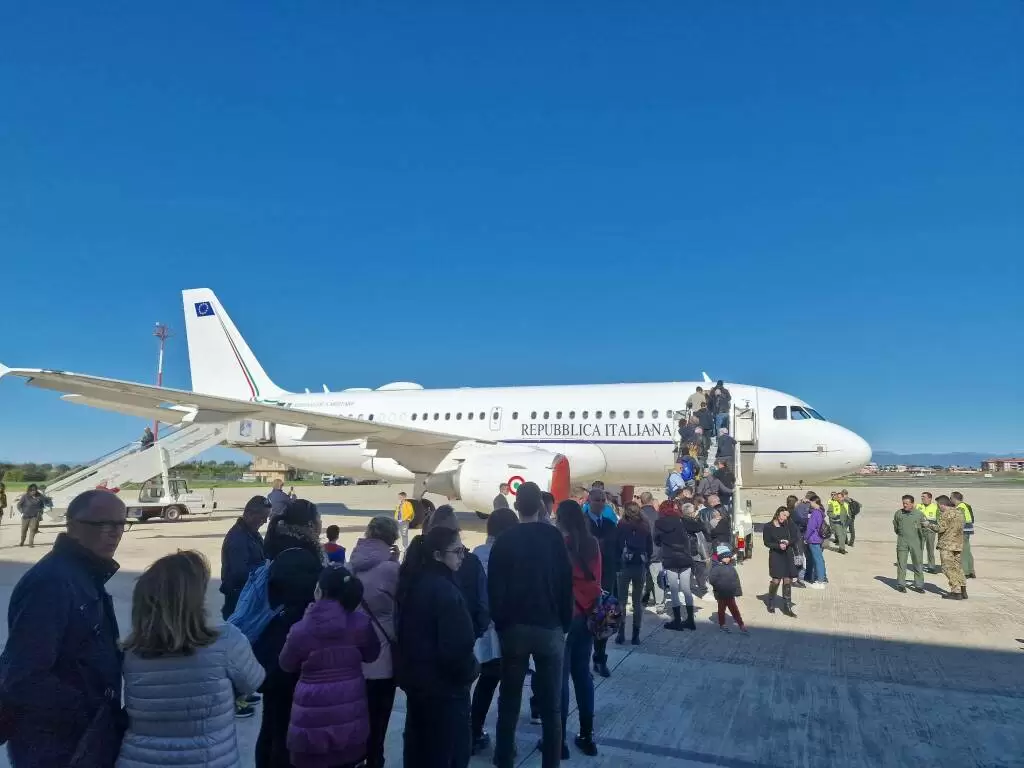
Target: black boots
{"type": "Point", "coordinates": [636, 635]}
{"type": "Point", "coordinates": [621, 637]}
{"type": "Point", "coordinates": [963, 593]}
{"type": "Point", "coordinates": [677, 621]}
{"type": "Point", "coordinates": [773, 588]}
{"type": "Point", "coordinates": [688, 624]}
{"type": "Point", "coordinates": [585, 741]}
{"type": "Point", "coordinates": [787, 600]}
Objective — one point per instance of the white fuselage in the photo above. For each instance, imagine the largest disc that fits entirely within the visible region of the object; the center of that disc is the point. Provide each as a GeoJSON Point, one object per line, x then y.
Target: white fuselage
{"type": "Point", "coordinates": [621, 433]}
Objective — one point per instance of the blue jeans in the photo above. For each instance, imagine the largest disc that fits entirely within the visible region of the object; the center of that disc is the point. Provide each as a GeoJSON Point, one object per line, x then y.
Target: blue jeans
{"type": "Point", "coordinates": [816, 570]}
{"type": "Point", "coordinates": [577, 664]}
{"type": "Point", "coordinates": [721, 420]}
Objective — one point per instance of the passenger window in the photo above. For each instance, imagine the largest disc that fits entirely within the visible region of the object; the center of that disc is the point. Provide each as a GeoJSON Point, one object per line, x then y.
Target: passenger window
{"type": "Point", "coordinates": [447, 416]}
{"type": "Point", "coordinates": [546, 414]}
{"type": "Point", "coordinates": [625, 414]}
{"type": "Point", "coordinates": [469, 415]}
{"type": "Point", "coordinates": [426, 416]}
{"type": "Point", "coordinates": [668, 414]}
{"type": "Point", "coordinates": [458, 416]}
{"type": "Point", "coordinates": [533, 414]}
{"type": "Point", "coordinates": [515, 415]}
{"type": "Point", "coordinates": [572, 415]}
{"type": "Point", "coordinates": [585, 415]}
{"type": "Point", "coordinates": [779, 413]}
{"type": "Point", "coordinates": [558, 415]}
{"type": "Point", "coordinates": [371, 417]}
{"type": "Point", "coordinates": [654, 414]}
{"type": "Point", "coordinates": [597, 414]}
{"type": "Point", "coordinates": [437, 416]}
{"type": "Point", "coordinates": [798, 414]}
{"type": "Point", "coordinates": [414, 417]}
{"type": "Point", "coordinates": [611, 414]}
{"type": "Point", "coordinates": [640, 414]}
{"type": "Point", "coordinates": [482, 415]}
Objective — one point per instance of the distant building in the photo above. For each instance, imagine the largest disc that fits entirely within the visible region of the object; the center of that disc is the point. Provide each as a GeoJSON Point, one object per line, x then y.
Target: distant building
{"type": "Point", "coordinates": [1003, 465]}
{"type": "Point", "coordinates": [268, 470]}
{"type": "Point", "coordinates": [870, 469]}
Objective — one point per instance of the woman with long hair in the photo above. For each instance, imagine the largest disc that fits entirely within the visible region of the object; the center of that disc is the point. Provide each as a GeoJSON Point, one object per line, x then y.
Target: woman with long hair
{"type": "Point", "coordinates": [635, 546]}
{"type": "Point", "coordinates": [585, 556]}
{"type": "Point", "coordinates": [435, 651]}
{"type": "Point", "coordinates": [374, 562]}
{"type": "Point", "coordinates": [780, 537]}
{"type": "Point", "coordinates": [471, 576]}
{"type": "Point", "coordinates": [181, 675]}
{"type": "Point", "coordinates": [676, 533]}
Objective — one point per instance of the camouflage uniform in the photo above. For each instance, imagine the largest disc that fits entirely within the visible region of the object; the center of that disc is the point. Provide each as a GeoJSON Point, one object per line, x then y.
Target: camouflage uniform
{"type": "Point", "coordinates": [950, 527]}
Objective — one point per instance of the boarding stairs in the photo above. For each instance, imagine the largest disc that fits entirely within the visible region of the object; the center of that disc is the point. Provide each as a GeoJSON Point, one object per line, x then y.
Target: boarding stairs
{"type": "Point", "coordinates": [133, 464]}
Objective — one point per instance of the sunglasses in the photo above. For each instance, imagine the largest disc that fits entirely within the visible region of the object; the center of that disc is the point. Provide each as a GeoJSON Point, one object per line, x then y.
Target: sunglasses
{"type": "Point", "coordinates": [459, 551]}
{"type": "Point", "coordinates": [106, 526]}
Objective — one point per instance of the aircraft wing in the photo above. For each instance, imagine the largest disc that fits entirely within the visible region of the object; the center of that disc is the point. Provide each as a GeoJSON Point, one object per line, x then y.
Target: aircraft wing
{"type": "Point", "coordinates": [132, 398]}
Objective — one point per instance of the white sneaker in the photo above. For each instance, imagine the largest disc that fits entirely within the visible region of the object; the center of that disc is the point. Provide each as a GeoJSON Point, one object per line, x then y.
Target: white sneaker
{"type": "Point", "coordinates": [816, 585]}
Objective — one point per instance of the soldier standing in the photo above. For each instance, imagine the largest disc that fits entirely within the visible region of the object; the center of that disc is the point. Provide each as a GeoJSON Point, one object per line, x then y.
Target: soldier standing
{"type": "Point", "coordinates": [950, 527]}
{"type": "Point", "coordinates": [931, 512]}
{"type": "Point", "coordinates": [968, 511]}
{"type": "Point", "coordinates": [852, 509]}
{"type": "Point", "coordinates": [907, 523]}
{"type": "Point", "coordinates": [838, 518]}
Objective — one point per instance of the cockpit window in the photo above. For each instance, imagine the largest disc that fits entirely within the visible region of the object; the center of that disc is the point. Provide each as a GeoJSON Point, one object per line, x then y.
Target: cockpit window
{"type": "Point", "coordinates": [816, 415]}
{"type": "Point", "coordinates": [798, 414]}
{"type": "Point", "coordinates": [779, 413]}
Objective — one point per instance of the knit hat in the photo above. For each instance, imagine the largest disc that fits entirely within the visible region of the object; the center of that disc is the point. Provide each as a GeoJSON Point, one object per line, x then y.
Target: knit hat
{"type": "Point", "coordinates": [723, 551]}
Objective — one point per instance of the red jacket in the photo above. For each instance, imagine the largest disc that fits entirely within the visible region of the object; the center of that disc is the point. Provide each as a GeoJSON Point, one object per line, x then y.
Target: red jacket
{"type": "Point", "coordinates": [585, 591]}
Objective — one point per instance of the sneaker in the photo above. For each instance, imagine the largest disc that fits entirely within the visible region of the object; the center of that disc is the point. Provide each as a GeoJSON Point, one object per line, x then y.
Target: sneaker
{"type": "Point", "coordinates": [816, 585]}
{"type": "Point", "coordinates": [900, 588]}
{"type": "Point", "coordinates": [565, 749]}
{"type": "Point", "coordinates": [723, 628]}
{"type": "Point", "coordinates": [584, 744]}
{"type": "Point", "coordinates": [244, 711]}
{"type": "Point", "coordinates": [481, 742]}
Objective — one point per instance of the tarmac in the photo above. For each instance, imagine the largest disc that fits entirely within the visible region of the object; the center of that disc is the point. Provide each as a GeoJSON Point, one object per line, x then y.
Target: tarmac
{"type": "Point", "coordinates": [865, 676]}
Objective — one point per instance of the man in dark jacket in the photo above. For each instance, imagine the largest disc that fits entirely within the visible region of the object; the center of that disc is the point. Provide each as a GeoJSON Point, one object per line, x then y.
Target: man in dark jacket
{"type": "Point", "coordinates": [726, 446]}
{"type": "Point", "coordinates": [728, 479]}
{"type": "Point", "coordinates": [605, 530]}
{"type": "Point", "coordinates": [529, 581]}
{"type": "Point", "coordinates": [242, 551]}
{"type": "Point", "coordinates": [31, 507]}
{"type": "Point", "coordinates": [60, 673]}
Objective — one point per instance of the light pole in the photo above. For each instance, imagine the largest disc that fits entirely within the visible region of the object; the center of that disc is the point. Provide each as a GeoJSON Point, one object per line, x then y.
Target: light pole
{"type": "Point", "coordinates": [162, 332]}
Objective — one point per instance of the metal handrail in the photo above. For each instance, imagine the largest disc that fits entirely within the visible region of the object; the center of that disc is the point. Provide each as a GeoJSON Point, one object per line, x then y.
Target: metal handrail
{"type": "Point", "coordinates": [124, 450]}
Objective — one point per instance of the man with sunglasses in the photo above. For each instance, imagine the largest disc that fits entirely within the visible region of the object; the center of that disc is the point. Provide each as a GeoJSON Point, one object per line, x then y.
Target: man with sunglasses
{"type": "Point", "coordinates": [60, 673]}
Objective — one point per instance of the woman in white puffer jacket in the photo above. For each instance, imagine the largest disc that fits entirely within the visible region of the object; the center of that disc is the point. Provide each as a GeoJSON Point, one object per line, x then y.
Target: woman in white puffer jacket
{"type": "Point", "coordinates": [182, 676]}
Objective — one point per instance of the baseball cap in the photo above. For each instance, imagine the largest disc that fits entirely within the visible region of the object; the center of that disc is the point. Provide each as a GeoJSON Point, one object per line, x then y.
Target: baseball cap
{"type": "Point", "coordinates": [723, 551]}
{"type": "Point", "coordinates": [256, 504]}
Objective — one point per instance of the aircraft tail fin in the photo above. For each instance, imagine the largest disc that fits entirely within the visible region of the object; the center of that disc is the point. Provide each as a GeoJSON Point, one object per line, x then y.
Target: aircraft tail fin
{"type": "Point", "coordinates": [220, 360]}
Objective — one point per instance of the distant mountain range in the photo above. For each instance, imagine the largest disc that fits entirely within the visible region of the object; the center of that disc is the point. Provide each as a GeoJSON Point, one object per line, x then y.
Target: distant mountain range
{"type": "Point", "coordinates": [963, 459]}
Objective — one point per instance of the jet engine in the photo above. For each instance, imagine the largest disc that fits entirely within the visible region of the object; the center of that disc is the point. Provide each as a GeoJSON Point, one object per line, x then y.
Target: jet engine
{"type": "Point", "coordinates": [477, 480]}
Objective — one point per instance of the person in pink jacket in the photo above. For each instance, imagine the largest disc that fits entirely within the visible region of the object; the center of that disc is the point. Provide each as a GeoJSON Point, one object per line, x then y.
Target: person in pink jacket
{"type": "Point", "coordinates": [330, 724]}
{"type": "Point", "coordinates": [374, 561]}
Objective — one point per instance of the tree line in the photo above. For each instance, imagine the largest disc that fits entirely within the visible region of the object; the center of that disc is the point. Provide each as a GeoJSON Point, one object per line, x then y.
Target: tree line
{"type": "Point", "coordinates": [31, 472]}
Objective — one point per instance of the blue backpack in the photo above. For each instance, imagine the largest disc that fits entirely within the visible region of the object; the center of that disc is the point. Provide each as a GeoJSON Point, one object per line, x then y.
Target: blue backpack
{"type": "Point", "coordinates": [253, 611]}
{"type": "Point", "coordinates": [688, 470]}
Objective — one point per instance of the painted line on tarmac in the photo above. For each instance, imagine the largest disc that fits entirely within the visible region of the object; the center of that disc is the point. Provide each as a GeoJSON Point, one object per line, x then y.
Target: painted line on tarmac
{"type": "Point", "coordinates": [999, 533]}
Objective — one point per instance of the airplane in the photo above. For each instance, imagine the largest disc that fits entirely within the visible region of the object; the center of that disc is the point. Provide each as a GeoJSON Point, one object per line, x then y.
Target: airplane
{"type": "Point", "coordinates": [465, 442]}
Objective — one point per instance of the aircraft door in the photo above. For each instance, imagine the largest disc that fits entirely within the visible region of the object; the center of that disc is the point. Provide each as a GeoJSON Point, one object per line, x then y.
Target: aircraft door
{"type": "Point", "coordinates": [495, 421]}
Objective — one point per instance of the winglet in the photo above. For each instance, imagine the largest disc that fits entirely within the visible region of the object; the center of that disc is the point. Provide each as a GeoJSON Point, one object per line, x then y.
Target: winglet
{"type": "Point", "coordinates": [707, 379]}
{"type": "Point", "coordinates": [4, 370]}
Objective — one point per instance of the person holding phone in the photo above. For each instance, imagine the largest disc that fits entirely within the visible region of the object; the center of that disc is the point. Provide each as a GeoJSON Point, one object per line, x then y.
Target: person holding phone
{"type": "Point", "coordinates": [780, 537]}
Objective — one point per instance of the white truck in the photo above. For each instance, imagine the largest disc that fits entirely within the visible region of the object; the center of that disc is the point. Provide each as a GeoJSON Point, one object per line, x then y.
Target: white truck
{"type": "Point", "coordinates": [168, 498]}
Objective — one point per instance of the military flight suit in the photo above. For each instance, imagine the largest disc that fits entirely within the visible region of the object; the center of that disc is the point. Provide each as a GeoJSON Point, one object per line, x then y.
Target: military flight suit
{"type": "Point", "coordinates": [909, 541]}
{"type": "Point", "coordinates": [950, 527]}
{"type": "Point", "coordinates": [931, 513]}
{"type": "Point", "coordinates": [839, 519]}
{"type": "Point", "coordinates": [968, 558]}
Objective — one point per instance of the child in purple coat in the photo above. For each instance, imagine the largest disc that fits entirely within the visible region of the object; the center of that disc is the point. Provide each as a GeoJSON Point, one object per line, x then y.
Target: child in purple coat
{"type": "Point", "coordinates": [329, 720]}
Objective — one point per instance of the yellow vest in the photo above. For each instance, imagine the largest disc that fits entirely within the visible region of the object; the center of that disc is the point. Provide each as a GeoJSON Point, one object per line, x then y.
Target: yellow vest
{"type": "Point", "coordinates": [968, 515]}
{"type": "Point", "coordinates": [835, 509]}
{"type": "Point", "coordinates": [931, 511]}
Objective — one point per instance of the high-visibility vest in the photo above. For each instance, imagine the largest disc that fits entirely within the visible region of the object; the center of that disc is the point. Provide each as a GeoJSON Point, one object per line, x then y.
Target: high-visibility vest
{"type": "Point", "coordinates": [835, 509]}
{"type": "Point", "coordinates": [931, 511]}
{"type": "Point", "coordinates": [964, 507]}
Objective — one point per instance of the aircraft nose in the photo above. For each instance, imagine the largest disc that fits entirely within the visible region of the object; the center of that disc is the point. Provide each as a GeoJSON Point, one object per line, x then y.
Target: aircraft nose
{"type": "Point", "coordinates": [859, 450]}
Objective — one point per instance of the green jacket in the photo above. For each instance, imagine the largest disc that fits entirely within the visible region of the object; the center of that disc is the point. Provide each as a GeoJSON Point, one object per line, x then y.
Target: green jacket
{"type": "Point", "coordinates": [950, 527]}
{"type": "Point", "coordinates": [908, 528]}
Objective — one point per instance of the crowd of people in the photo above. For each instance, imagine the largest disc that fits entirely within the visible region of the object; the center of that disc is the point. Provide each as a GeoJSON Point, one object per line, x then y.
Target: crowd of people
{"type": "Point", "coordinates": [324, 638]}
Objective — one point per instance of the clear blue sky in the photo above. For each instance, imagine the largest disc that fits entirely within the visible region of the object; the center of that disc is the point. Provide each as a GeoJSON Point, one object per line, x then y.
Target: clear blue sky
{"type": "Point", "coordinates": [825, 198]}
